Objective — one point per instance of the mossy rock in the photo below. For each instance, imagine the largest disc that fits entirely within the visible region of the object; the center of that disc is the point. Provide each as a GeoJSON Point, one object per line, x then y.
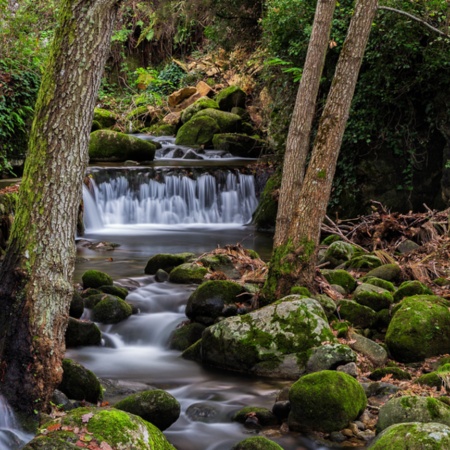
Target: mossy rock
{"type": "Point", "coordinates": [442, 281]}
{"type": "Point", "coordinates": [228, 122]}
{"type": "Point", "coordinates": [92, 300]}
{"type": "Point", "coordinates": [413, 436]}
{"type": "Point", "coordinates": [96, 126]}
{"type": "Point", "coordinates": [111, 310]}
{"type": "Point", "coordinates": [197, 132]}
{"type": "Point", "coordinates": [108, 145]}
{"type": "Point", "coordinates": [161, 129]}
{"type": "Point", "coordinates": [85, 293]}
{"type": "Point", "coordinates": [256, 443]}
{"type": "Point", "coordinates": [419, 329]}
{"type": "Point", "coordinates": [76, 305]}
{"type": "Point", "coordinates": [358, 315]}
{"type": "Point", "coordinates": [193, 352]}
{"type": "Point", "coordinates": [166, 262]}
{"type": "Point", "coordinates": [80, 333]}
{"type": "Point", "coordinates": [186, 335]}
{"type": "Point", "coordinates": [341, 278]}
{"type": "Point", "coordinates": [155, 406]}
{"type": "Point", "coordinates": [340, 252]}
{"type": "Point", "coordinates": [188, 273]}
{"type": "Point", "coordinates": [431, 379]}
{"type": "Point", "coordinates": [238, 144]}
{"type": "Point", "coordinates": [383, 319]}
{"type": "Point", "coordinates": [210, 299]}
{"type": "Point", "coordinates": [301, 290]}
{"type": "Point", "coordinates": [79, 383]}
{"type": "Point", "coordinates": [95, 279]}
{"type": "Point", "coordinates": [220, 263]}
{"type": "Point", "coordinates": [118, 291]}
{"type": "Point", "coordinates": [379, 282]}
{"type": "Point", "coordinates": [265, 416]}
{"type": "Point", "coordinates": [325, 401]}
{"type": "Point", "coordinates": [266, 212]}
{"type": "Point", "coordinates": [105, 118]}
{"type": "Point", "coordinates": [198, 105]}
{"type": "Point", "coordinates": [369, 348]}
{"type": "Point", "coordinates": [373, 296]}
{"type": "Point", "coordinates": [388, 272]}
{"type": "Point", "coordinates": [118, 429]}
{"type": "Point", "coordinates": [410, 288]}
{"type": "Point", "coordinates": [364, 262]}
{"type": "Point", "coordinates": [341, 327]}
{"type": "Point", "coordinates": [329, 357]}
{"type": "Point", "coordinates": [396, 372]}
{"type": "Point", "coordinates": [231, 97]}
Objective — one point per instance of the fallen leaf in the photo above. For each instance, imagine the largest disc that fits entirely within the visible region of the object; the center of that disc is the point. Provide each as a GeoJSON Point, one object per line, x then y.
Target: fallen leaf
{"type": "Point", "coordinates": [54, 427]}
{"type": "Point", "coordinates": [85, 418]}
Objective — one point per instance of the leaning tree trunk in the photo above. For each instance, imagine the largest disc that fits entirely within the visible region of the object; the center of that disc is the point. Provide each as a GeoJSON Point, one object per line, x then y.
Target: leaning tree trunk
{"type": "Point", "coordinates": [297, 144]}
{"type": "Point", "coordinates": [294, 262]}
{"type": "Point", "coordinates": [36, 275]}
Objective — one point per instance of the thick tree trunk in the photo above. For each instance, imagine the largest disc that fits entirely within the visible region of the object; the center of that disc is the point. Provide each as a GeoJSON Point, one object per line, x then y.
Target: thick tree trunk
{"type": "Point", "coordinates": [36, 275]}
{"type": "Point", "coordinates": [294, 262]}
{"type": "Point", "coordinates": [297, 145]}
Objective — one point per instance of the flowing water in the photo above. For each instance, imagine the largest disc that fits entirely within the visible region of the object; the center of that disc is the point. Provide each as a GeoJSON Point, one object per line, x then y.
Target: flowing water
{"type": "Point", "coordinates": [166, 209]}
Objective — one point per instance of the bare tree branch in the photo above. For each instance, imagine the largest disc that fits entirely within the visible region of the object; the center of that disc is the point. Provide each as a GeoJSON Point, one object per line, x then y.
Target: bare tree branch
{"type": "Point", "coordinates": [411, 16]}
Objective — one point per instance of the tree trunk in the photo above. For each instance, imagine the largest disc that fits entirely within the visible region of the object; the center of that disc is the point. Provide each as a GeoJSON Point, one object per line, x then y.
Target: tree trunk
{"type": "Point", "coordinates": [36, 275]}
{"type": "Point", "coordinates": [294, 262]}
{"type": "Point", "coordinates": [297, 145]}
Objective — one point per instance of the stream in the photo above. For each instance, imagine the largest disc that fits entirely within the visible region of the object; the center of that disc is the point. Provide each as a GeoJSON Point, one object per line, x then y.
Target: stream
{"type": "Point", "coordinates": [173, 206]}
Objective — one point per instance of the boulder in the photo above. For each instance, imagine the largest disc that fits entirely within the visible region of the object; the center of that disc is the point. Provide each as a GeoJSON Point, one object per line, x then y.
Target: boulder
{"type": "Point", "coordinates": [341, 278]}
{"type": "Point", "coordinates": [209, 301]}
{"type": "Point", "coordinates": [237, 144]}
{"type": "Point", "coordinates": [373, 351]}
{"type": "Point", "coordinates": [372, 296]}
{"type": "Point", "coordinates": [366, 262]}
{"type": "Point", "coordinates": [256, 443]}
{"type": "Point", "coordinates": [230, 97]}
{"type": "Point", "coordinates": [82, 332]}
{"type": "Point", "coordinates": [206, 412]}
{"type": "Point", "coordinates": [108, 145]}
{"type": "Point", "coordinates": [271, 341]}
{"type": "Point", "coordinates": [395, 372]}
{"type": "Point", "coordinates": [388, 272]}
{"type": "Point", "coordinates": [95, 279]}
{"type": "Point", "coordinates": [228, 122]}
{"type": "Point", "coordinates": [179, 96]}
{"type": "Point", "coordinates": [106, 428]}
{"type": "Point", "coordinates": [118, 291]}
{"type": "Point", "coordinates": [419, 329]}
{"type": "Point", "coordinates": [325, 401]}
{"type": "Point", "coordinates": [201, 103]}
{"type": "Point", "coordinates": [379, 282]}
{"type": "Point", "coordinates": [188, 273]}
{"type": "Point", "coordinates": [264, 416]}
{"type": "Point", "coordinates": [186, 335]}
{"type": "Point", "coordinates": [413, 436]}
{"type": "Point", "coordinates": [111, 309]}
{"type": "Point", "coordinates": [105, 118]}
{"type": "Point", "coordinates": [329, 357]}
{"type": "Point", "coordinates": [161, 129]}
{"type": "Point", "coordinates": [166, 262]}
{"type": "Point", "coordinates": [340, 252]}
{"type": "Point", "coordinates": [197, 132]}
{"type": "Point", "coordinates": [76, 305]}
{"type": "Point", "coordinates": [412, 409]}
{"type": "Point", "coordinates": [327, 303]}
{"type": "Point", "coordinates": [79, 383]}
{"type": "Point", "coordinates": [410, 288]}
{"type": "Point", "coordinates": [358, 315]}
{"type": "Point", "coordinates": [155, 406]}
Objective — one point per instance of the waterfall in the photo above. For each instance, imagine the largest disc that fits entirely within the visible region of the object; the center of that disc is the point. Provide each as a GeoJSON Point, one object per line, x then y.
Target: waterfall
{"type": "Point", "coordinates": [124, 197]}
{"type": "Point", "coordinates": [11, 434]}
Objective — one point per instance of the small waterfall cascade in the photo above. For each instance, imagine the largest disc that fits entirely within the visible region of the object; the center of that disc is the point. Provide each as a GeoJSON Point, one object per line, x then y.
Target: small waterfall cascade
{"type": "Point", "coordinates": [11, 434]}
{"type": "Point", "coordinates": [168, 196]}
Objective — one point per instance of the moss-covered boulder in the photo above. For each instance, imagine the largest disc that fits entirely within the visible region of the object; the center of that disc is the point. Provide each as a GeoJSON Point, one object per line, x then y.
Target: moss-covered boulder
{"type": "Point", "coordinates": [166, 262]}
{"type": "Point", "coordinates": [329, 357]}
{"type": "Point", "coordinates": [82, 332]}
{"type": "Point", "coordinates": [238, 144]}
{"type": "Point", "coordinates": [220, 263]}
{"type": "Point", "coordinates": [228, 122]}
{"type": "Point", "coordinates": [395, 372]}
{"type": "Point", "coordinates": [79, 383]}
{"type": "Point", "coordinates": [340, 252]}
{"type": "Point", "coordinates": [99, 428]}
{"type": "Point", "coordinates": [358, 315]}
{"type": "Point", "coordinates": [118, 291]}
{"type": "Point", "coordinates": [431, 379]}
{"type": "Point", "coordinates": [161, 129]}
{"type": "Point", "coordinates": [410, 288]}
{"type": "Point", "coordinates": [412, 409]}
{"type": "Point", "coordinates": [364, 262]}
{"type": "Point", "coordinates": [105, 118]}
{"type": "Point", "coordinates": [95, 279]}
{"type": "Point", "coordinates": [188, 273]}
{"type": "Point", "coordinates": [155, 406]}
{"type": "Point", "coordinates": [197, 132]}
{"type": "Point", "coordinates": [341, 278]}
{"type": "Point", "coordinates": [186, 335]}
{"type": "Point", "coordinates": [413, 436]}
{"type": "Point", "coordinates": [231, 97]}
{"type": "Point", "coordinates": [372, 296]}
{"type": "Point", "coordinates": [370, 349]}
{"type": "Point", "coordinates": [211, 299]}
{"type": "Point", "coordinates": [108, 145]}
{"type": "Point", "coordinates": [111, 310]}
{"type": "Point", "coordinates": [379, 282]}
{"type": "Point", "coordinates": [265, 416]}
{"type": "Point", "coordinates": [76, 305]}
{"type": "Point", "coordinates": [201, 103]}
{"type": "Point", "coordinates": [388, 272]}
{"type": "Point", "coordinates": [325, 401]}
{"type": "Point", "coordinates": [266, 211]}
{"type": "Point", "coordinates": [272, 341]}
{"type": "Point", "coordinates": [420, 328]}
{"type": "Point", "coordinates": [256, 443]}
{"type": "Point", "coordinates": [327, 303]}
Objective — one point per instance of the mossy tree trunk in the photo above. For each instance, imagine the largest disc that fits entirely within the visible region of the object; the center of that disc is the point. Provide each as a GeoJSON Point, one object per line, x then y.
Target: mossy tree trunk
{"type": "Point", "coordinates": [36, 275]}
{"type": "Point", "coordinates": [294, 261]}
{"type": "Point", "coordinates": [297, 144]}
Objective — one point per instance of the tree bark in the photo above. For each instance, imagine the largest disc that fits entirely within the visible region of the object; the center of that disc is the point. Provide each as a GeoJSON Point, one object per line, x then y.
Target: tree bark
{"type": "Point", "coordinates": [36, 275]}
{"type": "Point", "coordinates": [297, 145]}
{"type": "Point", "coordinates": [294, 262]}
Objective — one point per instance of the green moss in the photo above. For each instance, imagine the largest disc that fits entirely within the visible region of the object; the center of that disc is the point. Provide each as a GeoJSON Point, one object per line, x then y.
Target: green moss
{"type": "Point", "coordinates": [266, 212]}
{"type": "Point", "coordinates": [198, 131]}
{"type": "Point", "coordinates": [231, 97]}
{"type": "Point", "coordinates": [379, 282]}
{"type": "Point", "coordinates": [431, 379]}
{"type": "Point", "coordinates": [228, 122]}
{"type": "Point", "coordinates": [188, 273]}
{"type": "Point", "coordinates": [341, 278]}
{"type": "Point", "coordinates": [396, 372]}
{"type": "Point", "coordinates": [111, 310]}
{"type": "Point", "coordinates": [201, 103]}
{"type": "Point", "coordinates": [105, 118]}
{"type": "Point", "coordinates": [166, 262]}
{"type": "Point", "coordinates": [115, 290]}
{"type": "Point", "coordinates": [256, 443]}
{"type": "Point", "coordinates": [300, 290]}
{"type": "Point", "coordinates": [95, 279]}
{"type": "Point", "coordinates": [410, 288]}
